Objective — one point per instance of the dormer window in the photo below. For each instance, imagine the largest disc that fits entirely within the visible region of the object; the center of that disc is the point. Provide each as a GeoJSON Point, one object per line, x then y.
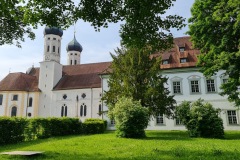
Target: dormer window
{"type": "Point", "coordinates": [165, 62]}
{"type": "Point", "coordinates": [183, 60]}
{"type": "Point", "coordinates": [181, 49]}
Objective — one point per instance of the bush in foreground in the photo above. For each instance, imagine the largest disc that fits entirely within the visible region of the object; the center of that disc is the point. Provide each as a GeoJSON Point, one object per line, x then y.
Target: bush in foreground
{"type": "Point", "coordinates": [201, 119]}
{"type": "Point", "coordinates": [12, 130]}
{"type": "Point", "coordinates": [131, 118]}
{"type": "Point", "coordinates": [94, 126]}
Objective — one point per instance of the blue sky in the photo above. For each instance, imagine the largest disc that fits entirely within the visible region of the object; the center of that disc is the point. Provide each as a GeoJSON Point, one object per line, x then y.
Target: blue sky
{"type": "Point", "coordinates": [96, 45]}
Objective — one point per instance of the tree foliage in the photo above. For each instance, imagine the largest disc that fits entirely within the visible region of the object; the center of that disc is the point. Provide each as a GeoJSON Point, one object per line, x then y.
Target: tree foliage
{"type": "Point", "coordinates": [130, 117]}
{"type": "Point", "coordinates": [12, 27]}
{"type": "Point", "coordinates": [134, 74]}
{"type": "Point", "coordinates": [142, 21]}
{"type": "Point", "coordinates": [215, 29]}
{"type": "Point", "coordinates": [201, 119]}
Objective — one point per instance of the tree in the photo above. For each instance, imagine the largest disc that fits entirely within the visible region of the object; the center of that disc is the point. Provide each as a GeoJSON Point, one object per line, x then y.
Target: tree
{"type": "Point", "coordinates": [130, 117]}
{"type": "Point", "coordinates": [201, 119]}
{"type": "Point", "coordinates": [215, 29]}
{"type": "Point", "coordinates": [142, 21]}
{"type": "Point", "coordinates": [136, 75]}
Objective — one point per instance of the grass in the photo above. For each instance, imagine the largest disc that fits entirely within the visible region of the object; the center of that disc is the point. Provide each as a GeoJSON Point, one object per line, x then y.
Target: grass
{"type": "Point", "coordinates": [158, 145]}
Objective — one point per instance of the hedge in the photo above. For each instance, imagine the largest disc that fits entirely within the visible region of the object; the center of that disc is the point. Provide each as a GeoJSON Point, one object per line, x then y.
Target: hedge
{"type": "Point", "coordinates": [48, 127]}
{"type": "Point", "coordinates": [94, 126]}
{"type": "Point", "coordinates": [14, 130]}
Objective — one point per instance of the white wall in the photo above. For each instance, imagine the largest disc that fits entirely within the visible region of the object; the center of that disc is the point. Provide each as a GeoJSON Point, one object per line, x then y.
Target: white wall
{"type": "Point", "coordinates": [185, 75]}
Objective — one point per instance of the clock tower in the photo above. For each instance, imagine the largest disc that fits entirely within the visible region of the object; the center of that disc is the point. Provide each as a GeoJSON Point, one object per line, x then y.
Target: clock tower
{"type": "Point", "coordinates": [50, 68]}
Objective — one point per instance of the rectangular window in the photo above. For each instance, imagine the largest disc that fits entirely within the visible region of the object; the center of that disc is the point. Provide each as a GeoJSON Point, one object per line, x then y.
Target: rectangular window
{"type": "Point", "coordinates": [195, 86]}
{"type": "Point", "coordinates": [53, 49]}
{"type": "Point", "coordinates": [176, 87]}
{"type": "Point", "coordinates": [165, 62]}
{"type": "Point", "coordinates": [112, 122]}
{"type": "Point", "coordinates": [54, 38]}
{"type": "Point", "coordinates": [183, 60]}
{"type": "Point", "coordinates": [178, 121]}
{"type": "Point", "coordinates": [224, 80]}
{"type": "Point", "coordinates": [210, 85]}
{"type": "Point", "coordinates": [1, 99]}
{"type": "Point", "coordinates": [232, 117]}
{"type": "Point", "coordinates": [47, 48]}
{"type": "Point", "coordinates": [160, 119]}
{"type": "Point", "coordinates": [182, 49]}
{"type": "Point", "coordinates": [15, 97]}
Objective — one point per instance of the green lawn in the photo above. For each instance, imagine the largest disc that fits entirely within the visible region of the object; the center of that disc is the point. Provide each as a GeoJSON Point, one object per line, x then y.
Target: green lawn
{"type": "Point", "coordinates": [158, 145]}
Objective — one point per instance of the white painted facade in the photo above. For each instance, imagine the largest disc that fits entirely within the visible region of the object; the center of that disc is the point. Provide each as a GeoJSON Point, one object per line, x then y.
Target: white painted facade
{"type": "Point", "coordinates": [185, 76]}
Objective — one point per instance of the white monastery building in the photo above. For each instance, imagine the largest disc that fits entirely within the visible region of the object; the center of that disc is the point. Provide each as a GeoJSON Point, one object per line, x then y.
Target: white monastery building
{"type": "Point", "coordinates": [75, 90]}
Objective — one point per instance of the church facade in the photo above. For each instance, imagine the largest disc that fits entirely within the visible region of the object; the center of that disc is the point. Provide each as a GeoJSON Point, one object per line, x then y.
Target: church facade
{"type": "Point", "coordinates": [75, 90]}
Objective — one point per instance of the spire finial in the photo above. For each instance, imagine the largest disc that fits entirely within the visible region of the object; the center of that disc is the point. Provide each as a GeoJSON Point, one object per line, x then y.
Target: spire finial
{"type": "Point", "coordinates": [74, 29]}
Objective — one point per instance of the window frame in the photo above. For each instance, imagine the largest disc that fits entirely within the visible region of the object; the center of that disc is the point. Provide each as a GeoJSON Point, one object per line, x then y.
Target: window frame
{"type": "Point", "coordinates": [181, 49]}
{"type": "Point", "coordinates": [64, 111]}
{"type": "Point", "coordinates": [194, 78]}
{"type": "Point", "coordinates": [176, 79]}
{"type": "Point", "coordinates": [160, 117]}
{"type": "Point", "coordinates": [1, 99]}
{"type": "Point", "coordinates": [185, 60]}
{"type": "Point", "coordinates": [14, 107]}
{"type": "Point", "coordinates": [165, 62]}
{"type": "Point", "coordinates": [232, 117]}
{"type": "Point", "coordinates": [15, 97]}
{"type": "Point", "coordinates": [83, 110]}
{"type": "Point", "coordinates": [209, 90]}
{"type": "Point", "coordinates": [30, 102]}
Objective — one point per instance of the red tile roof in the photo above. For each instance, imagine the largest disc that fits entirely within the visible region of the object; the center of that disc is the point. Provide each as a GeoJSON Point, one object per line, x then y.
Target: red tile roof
{"type": "Point", "coordinates": [19, 82]}
{"type": "Point", "coordinates": [82, 76]}
{"type": "Point", "coordinates": [174, 55]}
{"type": "Point", "coordinates": [87, 75]}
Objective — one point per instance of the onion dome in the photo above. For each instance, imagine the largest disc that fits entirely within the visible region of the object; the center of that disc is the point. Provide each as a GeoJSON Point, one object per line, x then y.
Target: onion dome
{"type": "Point", "coordinates": [74, 45]}
{"type": "Point", "coordinates": [53, 30]}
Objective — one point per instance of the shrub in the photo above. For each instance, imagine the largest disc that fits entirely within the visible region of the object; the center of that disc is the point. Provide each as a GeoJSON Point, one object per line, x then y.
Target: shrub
{"type": "Point", "coordinates": [201, 119]}
{"type": "Point", "coordinates": [130, 117]}
{"type": "Point", "coordinates": [97, 119]}
{"type": "Point", "coordinates": [48, 127]}
{"type": "Point", "coordinates": [12, 130]}
{"type": "Point", "coordinates": [94, 126]}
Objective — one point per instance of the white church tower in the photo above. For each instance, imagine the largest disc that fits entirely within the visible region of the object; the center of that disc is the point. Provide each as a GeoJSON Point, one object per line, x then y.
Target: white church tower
{"type": "Point", "coordinates": [50, 69]}
{"type": "Point", "coordinates": [74, 50]}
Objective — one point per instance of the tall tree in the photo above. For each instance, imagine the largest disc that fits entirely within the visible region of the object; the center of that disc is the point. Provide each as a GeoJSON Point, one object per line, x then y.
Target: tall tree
{"type": "Point", "coordinates": [136, 75]}
{"type": "Point", "coordinates": [215, 29]}
{"type": "Point", "coordinates": [142, 19]}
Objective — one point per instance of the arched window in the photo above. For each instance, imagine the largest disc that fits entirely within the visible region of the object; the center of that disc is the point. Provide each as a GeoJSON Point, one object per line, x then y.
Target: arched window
{"type": "Point", "coordinates": [53, 48]}
{"type": "Point", "coordinates": [75, 62]}
{"type": "Point", "coordinates": [1, 99]}
{"type": "Point", "coordinates": [64, 111]}
{"type": "Point", "coordinates": [14, 112]}
{"type": "Point", "coordinates": [30, 102]}
{"type": "Point", "coordinates": [99, 109]}
{"type": "Point", "coordinates": [48, 48]}
{"type": "Point", "coordinates": [83, 110]}
{"type": "Point", "coordinates": [71, 62]}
